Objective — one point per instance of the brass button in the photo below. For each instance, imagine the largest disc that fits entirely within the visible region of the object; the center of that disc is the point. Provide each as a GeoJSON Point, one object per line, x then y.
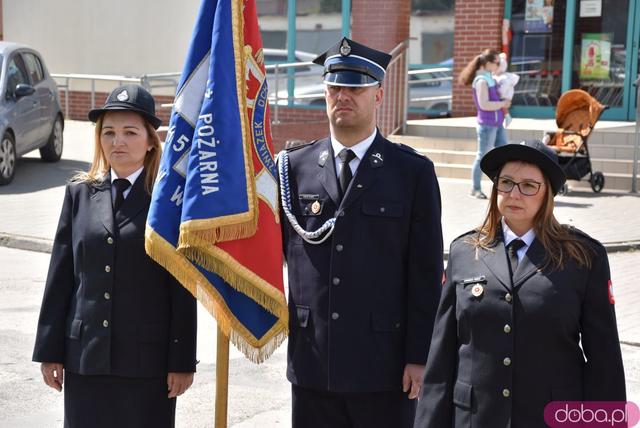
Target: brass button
{"type": "Point", "coordinates": [336, 281]}
{"type": "Point", "coordinates": [107, 268]}
{"type": "Point", "coordinates": [105, 323]}
{"type": "Point", "coordinates": [107, 296]}
{"type": "Point", "coordinates": [335, 316]}
{"type": "Point", "coordinates": [507, 328]}
{"type": "Point", "coordinates": [508, 297]}
{"type": "Point", "coordinates": [506, 361]}
{"type": "Point", "coordinates": [506, 393]}
{"type": "Point", "coordinates": [339, 247]}
{"type": "Point", "coordinates": [109, 240]}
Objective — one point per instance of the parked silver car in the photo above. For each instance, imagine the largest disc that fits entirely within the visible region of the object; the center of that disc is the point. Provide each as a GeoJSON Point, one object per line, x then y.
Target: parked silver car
{"type": "Point", "coordinates": [30, 113]}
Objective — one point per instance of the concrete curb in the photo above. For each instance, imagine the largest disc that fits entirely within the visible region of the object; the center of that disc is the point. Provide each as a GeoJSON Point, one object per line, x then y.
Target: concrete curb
{"type": "Point", "coordinates": [42, 245]}
{"type": "Point", "coordinates": [28, 243]}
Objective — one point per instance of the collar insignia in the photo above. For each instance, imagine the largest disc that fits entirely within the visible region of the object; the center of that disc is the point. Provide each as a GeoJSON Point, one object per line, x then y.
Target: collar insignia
{"type": "Point", "coordinates": [323, 157]}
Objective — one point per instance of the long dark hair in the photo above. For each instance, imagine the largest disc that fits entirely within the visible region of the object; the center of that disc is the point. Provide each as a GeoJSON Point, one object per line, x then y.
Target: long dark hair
{"type": "Point", "coordinates": [469, 72]}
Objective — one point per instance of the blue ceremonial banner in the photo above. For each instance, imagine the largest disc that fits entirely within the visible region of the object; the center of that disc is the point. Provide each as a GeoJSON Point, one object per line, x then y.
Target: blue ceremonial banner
{"type": "Point", "coordinates": [213, 221]}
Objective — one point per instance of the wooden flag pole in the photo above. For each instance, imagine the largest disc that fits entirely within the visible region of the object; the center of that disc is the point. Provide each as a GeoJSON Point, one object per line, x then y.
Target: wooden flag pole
{"type": "Point", "coordinates": [222, 379]}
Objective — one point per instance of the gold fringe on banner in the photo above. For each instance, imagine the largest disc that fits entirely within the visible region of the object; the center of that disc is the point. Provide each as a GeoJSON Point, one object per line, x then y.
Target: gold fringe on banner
{"type": "Point", "coordinates": [244, 280]}
{"type": "Point", "coordinates": [256, 350]}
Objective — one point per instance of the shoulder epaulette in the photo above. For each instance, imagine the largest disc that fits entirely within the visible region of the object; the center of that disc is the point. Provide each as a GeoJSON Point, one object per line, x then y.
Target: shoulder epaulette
{"type": "Point", "coordinates": [409, 149]}
{"type": "Point", "coordinates": [296, 145]}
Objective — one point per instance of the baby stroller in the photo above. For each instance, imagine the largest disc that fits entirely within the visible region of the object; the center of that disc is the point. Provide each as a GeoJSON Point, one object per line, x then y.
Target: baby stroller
{"type": "Point", "coordinates": [576, 114]}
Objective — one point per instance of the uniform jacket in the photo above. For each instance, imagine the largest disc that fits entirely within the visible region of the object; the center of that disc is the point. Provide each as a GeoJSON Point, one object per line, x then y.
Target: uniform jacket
{"type": "Point", "coordinates": [108, 309]}
{"type": "Point", "coordinates": [500, 356]}
{"type": "Point", "coordinates": [362, 303]}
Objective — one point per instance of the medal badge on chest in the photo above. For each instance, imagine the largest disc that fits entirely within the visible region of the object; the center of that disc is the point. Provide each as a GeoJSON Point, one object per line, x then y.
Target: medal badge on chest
{"type": "Point", "coordinates": [477, 290]}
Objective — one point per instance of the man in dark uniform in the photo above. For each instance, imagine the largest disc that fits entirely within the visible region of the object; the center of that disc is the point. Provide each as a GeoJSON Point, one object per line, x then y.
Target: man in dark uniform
{"type": "Point", "coordinates": [363, 243]}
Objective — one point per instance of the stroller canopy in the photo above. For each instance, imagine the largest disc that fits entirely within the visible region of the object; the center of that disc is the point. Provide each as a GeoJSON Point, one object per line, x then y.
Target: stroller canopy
{"type": "Point", "coordinates": [577, 111]}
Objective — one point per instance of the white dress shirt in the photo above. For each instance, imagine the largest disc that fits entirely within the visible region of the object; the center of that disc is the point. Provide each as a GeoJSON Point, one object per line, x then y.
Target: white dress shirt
{"type": "Point", "coordinates": [509, 236]}
{"type": "Point", "coordinates": [359, 150]}
{"type": "Point", "coordinates": [132, 179]}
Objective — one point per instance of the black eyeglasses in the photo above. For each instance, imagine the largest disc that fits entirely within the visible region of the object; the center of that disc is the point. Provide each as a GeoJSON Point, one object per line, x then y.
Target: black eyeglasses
{"type": "Point", "coordinates": [527, 188]}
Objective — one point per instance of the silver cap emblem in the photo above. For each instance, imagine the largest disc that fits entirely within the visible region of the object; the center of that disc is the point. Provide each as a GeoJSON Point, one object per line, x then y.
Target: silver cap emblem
{"type": "Point", "coordinates": [123, 96]}
{"type": "Point", "coordinates": [345, 49]}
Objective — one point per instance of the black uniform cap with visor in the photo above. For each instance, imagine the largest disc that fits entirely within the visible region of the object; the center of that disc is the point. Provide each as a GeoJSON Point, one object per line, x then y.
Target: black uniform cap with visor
{"type": "Point", "coordinates": [349, 63]}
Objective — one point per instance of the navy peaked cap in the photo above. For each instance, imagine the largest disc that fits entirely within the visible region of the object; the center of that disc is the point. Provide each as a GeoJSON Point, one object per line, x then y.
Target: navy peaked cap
{"type": "Point", "coordinates": [349, 63]}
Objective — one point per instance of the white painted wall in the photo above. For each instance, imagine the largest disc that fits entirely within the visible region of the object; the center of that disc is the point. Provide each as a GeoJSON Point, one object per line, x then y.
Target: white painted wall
{"type": "Point", "coordinates": [124, 37]}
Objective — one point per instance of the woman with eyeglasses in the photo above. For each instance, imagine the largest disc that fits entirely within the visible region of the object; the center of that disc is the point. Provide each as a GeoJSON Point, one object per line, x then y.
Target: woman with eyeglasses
{"type": "Point", "coordinates": [527, 313]}
{"type": "Point", "coordinates": [491, 133]}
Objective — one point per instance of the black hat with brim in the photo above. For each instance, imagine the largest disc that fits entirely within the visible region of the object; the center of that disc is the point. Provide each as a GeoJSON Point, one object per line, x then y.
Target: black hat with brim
{"type": "Point", "coordinates": [129, 98]}
{"type": "Point", "coordinates": [350, 63]}
{"type": "Point", "coordinates": [531, 151]}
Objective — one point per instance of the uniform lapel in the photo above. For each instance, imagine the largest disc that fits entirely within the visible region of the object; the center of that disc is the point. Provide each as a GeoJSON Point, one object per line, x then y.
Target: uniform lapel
{"type": "Point", "coordinates": [103, 203]}
{"type": "Point", "coordinates": [531, 263]}
{"type": "Point", "coordinates": [327, 174]}
{"type": "Point", "coordinates": [136, 201]}
{"type": "Point", "coordinates": [498, 263]}
{"type": "Point", "coordinates": [367, 172]}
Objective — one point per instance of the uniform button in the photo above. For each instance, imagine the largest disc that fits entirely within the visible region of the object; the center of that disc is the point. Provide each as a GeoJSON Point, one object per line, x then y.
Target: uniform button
{"type": "Point", "coordinates": [107, 296]}
{"type": "Point", "coordinates": [339, 247]}
{"type": "Point", "coordinates": [341, 214]}
{"type": "Point", "coordinates": [506, 393]}
{"type": "Point", "coordinates": [508, 297]}
{"type": "Point", "coordinates": [397, 325]}
{"type": "Point", "coordinates": [359, 186]}
{"type": "Point", "coordinates": [335, 316]}
{"type": "Point", "coordinates": [336, 281]}
{"type": "Point", "coordinates": [507, 328]}
{"type": "Point", "coordinates": [107, 268]}
{"type": "Point", "coordinates": [109, 240]}
{"type": "Point", "coordinates": [175, 340]}
{"type": "Point", "coordinates": [105, 323]}
{"type": "Point", "coordinates": [382, 209]}
{"type": "Point", "coordinates": [506, 361]}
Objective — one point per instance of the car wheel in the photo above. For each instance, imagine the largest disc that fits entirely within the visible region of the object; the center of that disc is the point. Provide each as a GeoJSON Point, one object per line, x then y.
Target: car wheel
{"type": "Point", "coordinates": [7, 159]}
{"type": "Point", "coordinates": [52, 152]}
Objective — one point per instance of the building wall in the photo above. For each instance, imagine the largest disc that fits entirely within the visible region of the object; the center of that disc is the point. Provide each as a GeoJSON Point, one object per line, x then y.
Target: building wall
{"type": "Point", "coordinates": [122, 37]}
{"type": "Point", "coordinates": [478, 26]}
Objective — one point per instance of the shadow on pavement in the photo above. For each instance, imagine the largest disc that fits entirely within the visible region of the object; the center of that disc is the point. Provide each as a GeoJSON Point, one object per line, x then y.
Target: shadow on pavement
{"type": "Point", "coordinates": [33, 175]}
{"type": "Point", "coordinates": [572, 204]}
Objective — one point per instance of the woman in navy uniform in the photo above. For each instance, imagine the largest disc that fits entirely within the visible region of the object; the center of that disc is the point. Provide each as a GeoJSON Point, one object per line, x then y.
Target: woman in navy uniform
{"type": "Point", "coordinates": [526, 315]}
{"type": "Point", "coordinates": [115, 328]}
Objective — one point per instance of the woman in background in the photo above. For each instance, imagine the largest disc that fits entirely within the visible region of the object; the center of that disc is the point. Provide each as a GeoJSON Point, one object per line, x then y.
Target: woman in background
{"type": "Point", "coordinates": [478, 75]}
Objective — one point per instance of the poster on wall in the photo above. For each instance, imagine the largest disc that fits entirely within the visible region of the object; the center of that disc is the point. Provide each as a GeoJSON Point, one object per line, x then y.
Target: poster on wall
{"type": "Point", "coordinates": [538, 16]}
{"type": "Point", "coordinates": [595, 56]}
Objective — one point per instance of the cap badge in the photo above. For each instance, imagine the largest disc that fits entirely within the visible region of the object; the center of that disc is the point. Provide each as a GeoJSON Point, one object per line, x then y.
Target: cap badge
{"type": "Point", "coordinates": [123, 96]}
{"type": "Point", "coordinates": [477, 290]}
{"type": "Point", "coordinates": [377, 157]}
{"type": "Point", "coordinates": [315, 207]}
{"type": "Point", "coordinates": [345, 49]}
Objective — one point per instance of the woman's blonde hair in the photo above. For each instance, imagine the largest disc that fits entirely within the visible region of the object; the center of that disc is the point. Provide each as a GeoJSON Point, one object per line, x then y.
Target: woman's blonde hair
{"type": "Point", "coordinates": [469, 72]}
{"type": "Point", "coordinates": [100, 165]}
{"type": "Point", "coordinates": [557, 239]}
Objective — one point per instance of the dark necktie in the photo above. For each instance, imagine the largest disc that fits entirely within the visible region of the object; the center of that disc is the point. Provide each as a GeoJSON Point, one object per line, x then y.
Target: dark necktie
{"type": "Point", "coordinates": [121, 184]}
{"type": "Point", "coordinates": [512, 251]}
{"type": "Point", "coordinates": [345, 156]}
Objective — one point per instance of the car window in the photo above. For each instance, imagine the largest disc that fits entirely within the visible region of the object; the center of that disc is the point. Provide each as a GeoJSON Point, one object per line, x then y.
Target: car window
{"type": "Point", "coordinates": [16, 73]}
{"type": "Point", "coordinates": [33, 67]}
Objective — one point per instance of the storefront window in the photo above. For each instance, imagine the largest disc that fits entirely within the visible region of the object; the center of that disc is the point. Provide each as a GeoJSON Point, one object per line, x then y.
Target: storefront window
{"type": "Point", "coordinates": [536, 50]}
{"type": "Point", "coordinates": [599, 51]}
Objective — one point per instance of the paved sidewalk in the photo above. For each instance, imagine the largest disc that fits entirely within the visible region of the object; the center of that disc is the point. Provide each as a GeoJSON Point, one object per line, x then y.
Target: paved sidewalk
{"type": "Point", "coordinates": [31, 204]}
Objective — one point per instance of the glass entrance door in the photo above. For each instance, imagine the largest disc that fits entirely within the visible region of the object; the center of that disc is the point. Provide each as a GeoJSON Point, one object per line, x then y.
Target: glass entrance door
{"type": "Point", "coordinates": [603, 53]}
{"type": "Point", "coordinates": [557, 45]}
